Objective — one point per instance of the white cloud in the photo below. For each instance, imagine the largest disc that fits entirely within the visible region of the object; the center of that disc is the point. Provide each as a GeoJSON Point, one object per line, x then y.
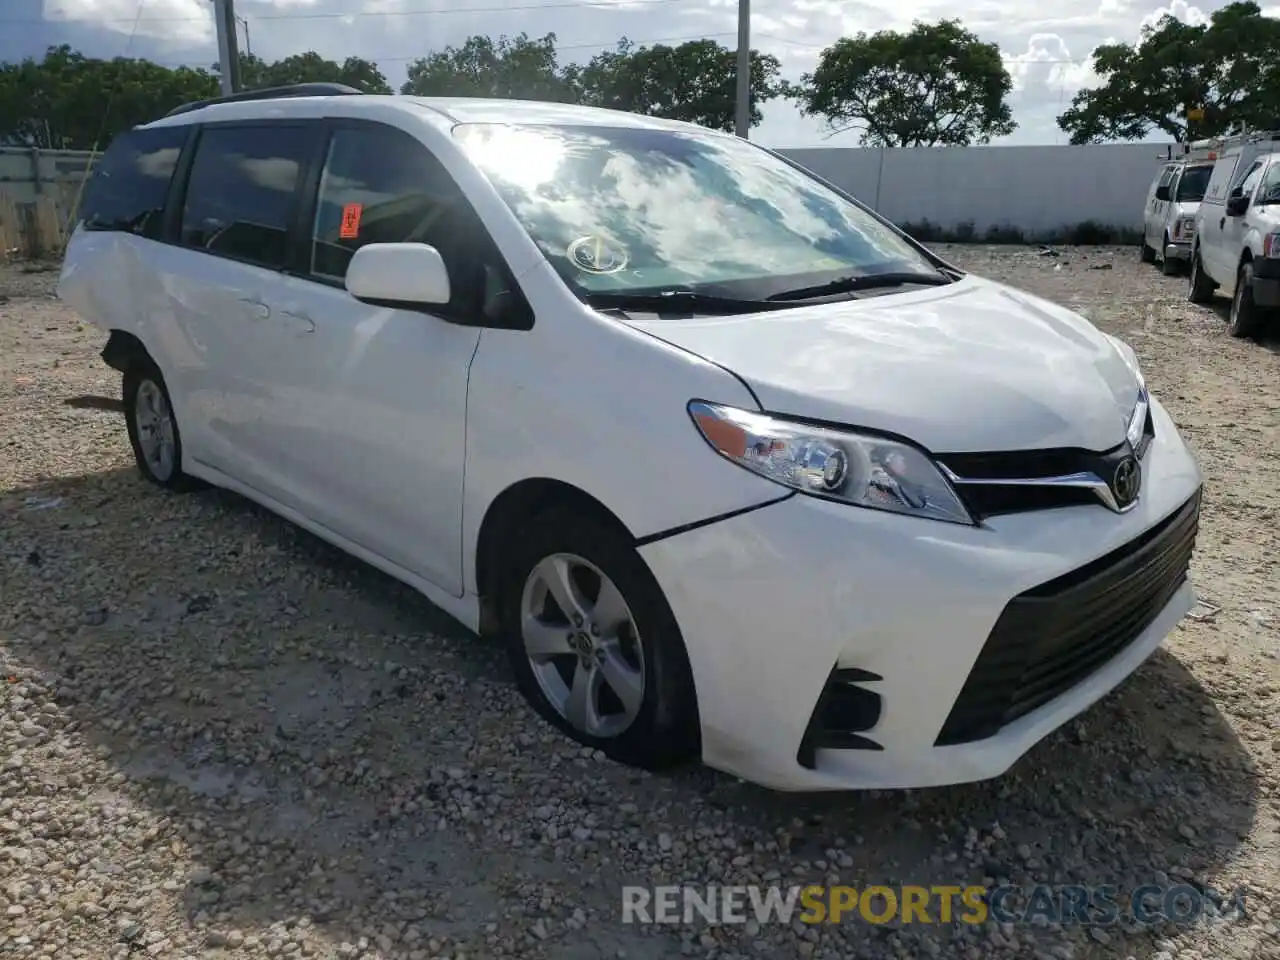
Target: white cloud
{"type": "Point", "coordinates": [1047, 51]}
{"type": "Point", "coordinates": [171, 21]}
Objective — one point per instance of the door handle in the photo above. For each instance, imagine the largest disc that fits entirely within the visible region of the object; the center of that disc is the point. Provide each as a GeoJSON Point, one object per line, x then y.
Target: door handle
{"type": "Point", "coordinates": [298, 322]}
{"type": "Point", "coordinates": [262, 311]}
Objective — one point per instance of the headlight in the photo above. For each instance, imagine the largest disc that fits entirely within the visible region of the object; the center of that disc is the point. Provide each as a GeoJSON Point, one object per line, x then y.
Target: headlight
{"type": "Point", "coordinates": [858, 469]}
{"type": "Point", "coordinates": [1184, 228]}
{"type": "Point", "coordinates": [1137, 426]}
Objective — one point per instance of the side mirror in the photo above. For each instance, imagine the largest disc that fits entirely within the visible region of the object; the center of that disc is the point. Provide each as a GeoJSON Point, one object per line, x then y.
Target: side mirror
{"type": "Point", "coordinates": [1162, 193]}
{"type": "Point", "coordinates": [1237, 204]}
{"type": "Point", "coordinates": [398, 275]}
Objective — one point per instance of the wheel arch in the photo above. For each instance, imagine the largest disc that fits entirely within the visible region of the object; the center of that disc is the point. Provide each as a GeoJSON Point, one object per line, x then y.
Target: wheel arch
{"type": "Point", "coordinates": [516, 503]}
{"type": "Point", "coordinates": [125, 352]}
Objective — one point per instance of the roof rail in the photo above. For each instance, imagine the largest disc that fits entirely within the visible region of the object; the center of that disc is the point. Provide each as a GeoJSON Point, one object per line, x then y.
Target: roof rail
{"type": "Point", "coordinates": [272, 93]}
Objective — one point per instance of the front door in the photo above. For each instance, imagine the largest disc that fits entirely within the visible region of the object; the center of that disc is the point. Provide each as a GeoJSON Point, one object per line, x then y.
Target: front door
{"type": "Point", "coordinates": [1233, 229]}
{"type": "Point", "coordinates": [368, 408]}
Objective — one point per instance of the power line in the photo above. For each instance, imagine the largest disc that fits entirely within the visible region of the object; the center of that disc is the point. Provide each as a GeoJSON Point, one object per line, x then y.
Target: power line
{"type": "Point", "coordinates": [620, 5]}
{"type": "Point", "coordinates": [559, 46]}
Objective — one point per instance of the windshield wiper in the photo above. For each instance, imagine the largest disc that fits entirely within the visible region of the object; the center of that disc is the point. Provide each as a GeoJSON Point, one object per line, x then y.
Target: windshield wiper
{"type": "Point", "coordinates": [686, 300]}
{"type": "Point", "coordinates": [867, 281]}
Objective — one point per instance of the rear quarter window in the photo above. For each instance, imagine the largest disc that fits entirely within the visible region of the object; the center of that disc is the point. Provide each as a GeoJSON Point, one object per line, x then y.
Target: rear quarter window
{"type": "Point", "coordinates": [129, 185]}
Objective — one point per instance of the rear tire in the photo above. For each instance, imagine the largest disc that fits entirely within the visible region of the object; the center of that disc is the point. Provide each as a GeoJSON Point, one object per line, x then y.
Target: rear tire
{"type": "Point", "coordinates": [153, 428]}
{"type": "Point", "coordinates": [1199, 287]}
{"type": "Point", "coordinates": [612, 671]}
{"type": "Point", "coordinates": [1245, 318]}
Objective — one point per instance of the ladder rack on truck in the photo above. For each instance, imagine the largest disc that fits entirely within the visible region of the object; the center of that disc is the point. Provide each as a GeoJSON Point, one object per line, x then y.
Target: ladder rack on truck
{"type": "Point", "coordinates": [1212, 147]}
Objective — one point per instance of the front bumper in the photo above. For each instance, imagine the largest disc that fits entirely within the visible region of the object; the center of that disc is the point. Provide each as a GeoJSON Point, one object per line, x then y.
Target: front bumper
{"type": "Point", "coordinates": [1178, 251]}
{"type": "Point", "coordinates": [773, 601]}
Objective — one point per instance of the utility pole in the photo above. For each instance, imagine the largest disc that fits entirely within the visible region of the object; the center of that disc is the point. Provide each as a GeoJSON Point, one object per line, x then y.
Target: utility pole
{"type": "Point", "coordinates": [248, 47]}
{"type": "Point", "coordinates": [224, 20]}
{"type": "Point", "coordinates": [743, 112]}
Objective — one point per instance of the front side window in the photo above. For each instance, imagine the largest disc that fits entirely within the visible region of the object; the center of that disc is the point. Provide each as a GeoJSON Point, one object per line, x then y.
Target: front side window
{"type": "Point", "coordinates": [129, 184]}
{"type": "Point", "coordinates": [241, 194]}
{"type": "Point", "coordinates": [380, 185]}
{"type": "Point", "coordinates": [622, 209]}
{"type": "Point", "coordinates": [1250, 180]}
{"type": "Point", "coordinates": [1269, 189]}
{"type": "Point", "coordinates": [1192, 185]}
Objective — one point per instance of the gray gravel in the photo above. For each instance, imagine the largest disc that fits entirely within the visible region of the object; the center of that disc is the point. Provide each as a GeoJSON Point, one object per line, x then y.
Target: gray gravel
{"type": "Point", "coordinates": [222, 738]}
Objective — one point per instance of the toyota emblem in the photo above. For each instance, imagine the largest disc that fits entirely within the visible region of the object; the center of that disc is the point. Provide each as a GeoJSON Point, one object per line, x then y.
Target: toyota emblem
{"type": "Point", "coordinates": [1127, 482]}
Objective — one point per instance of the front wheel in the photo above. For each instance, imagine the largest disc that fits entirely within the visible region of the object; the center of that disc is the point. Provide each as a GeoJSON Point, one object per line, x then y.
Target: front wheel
{"type": "Point", "coordinates": [1245, 317]}
{"type": "Point", "coordinates": [1146, 254]}
{"type": "Point", "coordinates": [594, 646]}
{"type": "Point", "coordinates": [1199, 286]}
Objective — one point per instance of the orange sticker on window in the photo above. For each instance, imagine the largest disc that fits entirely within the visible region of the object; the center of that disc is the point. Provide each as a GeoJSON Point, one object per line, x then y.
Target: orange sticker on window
{"type": "Point", "coordinates": [350, 228]}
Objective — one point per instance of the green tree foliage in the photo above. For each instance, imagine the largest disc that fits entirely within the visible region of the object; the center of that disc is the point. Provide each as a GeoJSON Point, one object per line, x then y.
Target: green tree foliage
{"type": "Point", "coordinates": [1229, 67]}
{"type": "Point", "coordinates": [61, 100]}
{"type": "Point", "coordinates": [518, 67]}
{"type": "Point", "coordinates": [935, 85]}
{"type": "Point", "coordinates": [695, 82]}
{"type": "Point", "coordinates": [310, 67]}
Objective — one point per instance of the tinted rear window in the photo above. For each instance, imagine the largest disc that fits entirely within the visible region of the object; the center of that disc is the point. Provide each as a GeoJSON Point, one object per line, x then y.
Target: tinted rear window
{"type": "Point", "coordinates": [240, 198]}
{"type": "Point", "coordinates": [1194, 180]}
{"type": "Point", "coordinates": [129, 184]}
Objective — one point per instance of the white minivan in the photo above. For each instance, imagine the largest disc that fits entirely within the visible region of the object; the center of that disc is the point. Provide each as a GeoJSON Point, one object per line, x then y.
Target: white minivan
{"type": "Point", "coordinates": [734, 468]}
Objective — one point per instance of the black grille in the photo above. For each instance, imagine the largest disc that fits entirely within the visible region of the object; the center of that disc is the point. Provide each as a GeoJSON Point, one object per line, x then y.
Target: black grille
{"type": "Point", "coordinates": [1055, 635]}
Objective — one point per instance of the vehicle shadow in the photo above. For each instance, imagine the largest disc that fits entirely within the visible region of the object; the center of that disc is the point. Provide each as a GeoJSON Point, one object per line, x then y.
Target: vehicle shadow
{"type": "Point", "coordinates": [319, 746]}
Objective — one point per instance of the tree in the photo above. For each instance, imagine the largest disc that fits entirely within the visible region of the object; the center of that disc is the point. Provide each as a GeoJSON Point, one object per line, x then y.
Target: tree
{"type": "Point", "coordinates": [1229, 68]}
{"type": "Point", "coordinates": [937, 84]}
{"type": "Point", "coordinates": [517, 67]}
{"type": "Point", "coordinates": [695, 82]}
{"type": "Point", "coordinates": [72, 102]}
{"type": "Point", "coordinates": [310, 67]}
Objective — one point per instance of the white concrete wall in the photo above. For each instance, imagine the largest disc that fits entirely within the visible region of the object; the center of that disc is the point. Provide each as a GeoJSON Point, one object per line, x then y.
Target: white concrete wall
{"type": "Point", "coordinates": [1032, 188]}
{"type": "Point", "coordinates": [26, 174]}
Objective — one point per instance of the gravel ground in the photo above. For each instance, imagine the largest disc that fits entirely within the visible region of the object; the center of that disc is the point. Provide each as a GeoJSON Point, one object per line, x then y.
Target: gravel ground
{"type": "Point", "coordinates": [221, 738]}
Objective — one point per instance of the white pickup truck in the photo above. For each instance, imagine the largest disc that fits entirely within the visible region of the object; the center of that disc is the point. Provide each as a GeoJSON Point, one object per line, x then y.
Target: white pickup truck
{"type": "Point", "coordinates": [1236, 248]}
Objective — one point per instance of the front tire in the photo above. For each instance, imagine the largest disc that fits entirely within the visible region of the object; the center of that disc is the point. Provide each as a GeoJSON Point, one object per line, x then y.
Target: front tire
{"type": "Point", "coordinates": [1146, 254]}
{"type": "Point", "coordinates": [153, 429]}
{"type": "Point", "coordinates": [594, 646]}
{"type": "Point", "coordinates": [1199, 287]}
{"type": "Point", "coordinates": [1245, 318]}
{"type": "Point", "coordinates": [1170, 266]}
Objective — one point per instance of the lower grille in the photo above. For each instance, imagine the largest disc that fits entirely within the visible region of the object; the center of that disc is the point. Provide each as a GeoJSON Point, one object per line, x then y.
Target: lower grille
{"type": "Point", "coordinates": [846, 710]}
{"type": "Point", "coordinates": [1054, 636]}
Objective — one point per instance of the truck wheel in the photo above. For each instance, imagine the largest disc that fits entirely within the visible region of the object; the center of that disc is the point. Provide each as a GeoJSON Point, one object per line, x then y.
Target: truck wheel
{"type": "Point", "coordinates": [1146, 253]}
{"type": "Point", "coordinates": [1199, 287]}
{"type": "Point", "coordinates": [1245, 318]}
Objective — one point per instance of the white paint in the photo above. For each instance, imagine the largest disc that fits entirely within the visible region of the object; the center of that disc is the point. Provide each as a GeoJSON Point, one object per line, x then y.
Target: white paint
{"type": "Point", "coordinates": [391, 433]}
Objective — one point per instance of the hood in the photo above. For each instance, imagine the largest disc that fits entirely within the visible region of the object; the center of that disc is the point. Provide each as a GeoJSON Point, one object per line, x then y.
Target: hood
{"type": "Point", "coordinates": [970, 367]}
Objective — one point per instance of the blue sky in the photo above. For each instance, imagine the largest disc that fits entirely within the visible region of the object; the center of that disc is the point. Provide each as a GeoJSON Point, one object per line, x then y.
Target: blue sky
{"type": "Point", "coordinates": [1047, 55]}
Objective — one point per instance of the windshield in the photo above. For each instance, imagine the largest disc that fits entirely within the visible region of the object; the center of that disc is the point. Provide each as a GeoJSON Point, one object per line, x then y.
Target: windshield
{"type": "Point", "coordinates": [1194, 180]}
{"type": "Point", "coordinates": [619, 209]}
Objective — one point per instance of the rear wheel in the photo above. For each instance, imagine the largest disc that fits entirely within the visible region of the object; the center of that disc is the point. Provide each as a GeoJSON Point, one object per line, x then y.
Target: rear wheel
{"type": "Point", "coordinates": [593, 643]}
{"type": "Point", "coordinates": [153, 428]}
{"type": "Point", "coordinates": [1199, 287]}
